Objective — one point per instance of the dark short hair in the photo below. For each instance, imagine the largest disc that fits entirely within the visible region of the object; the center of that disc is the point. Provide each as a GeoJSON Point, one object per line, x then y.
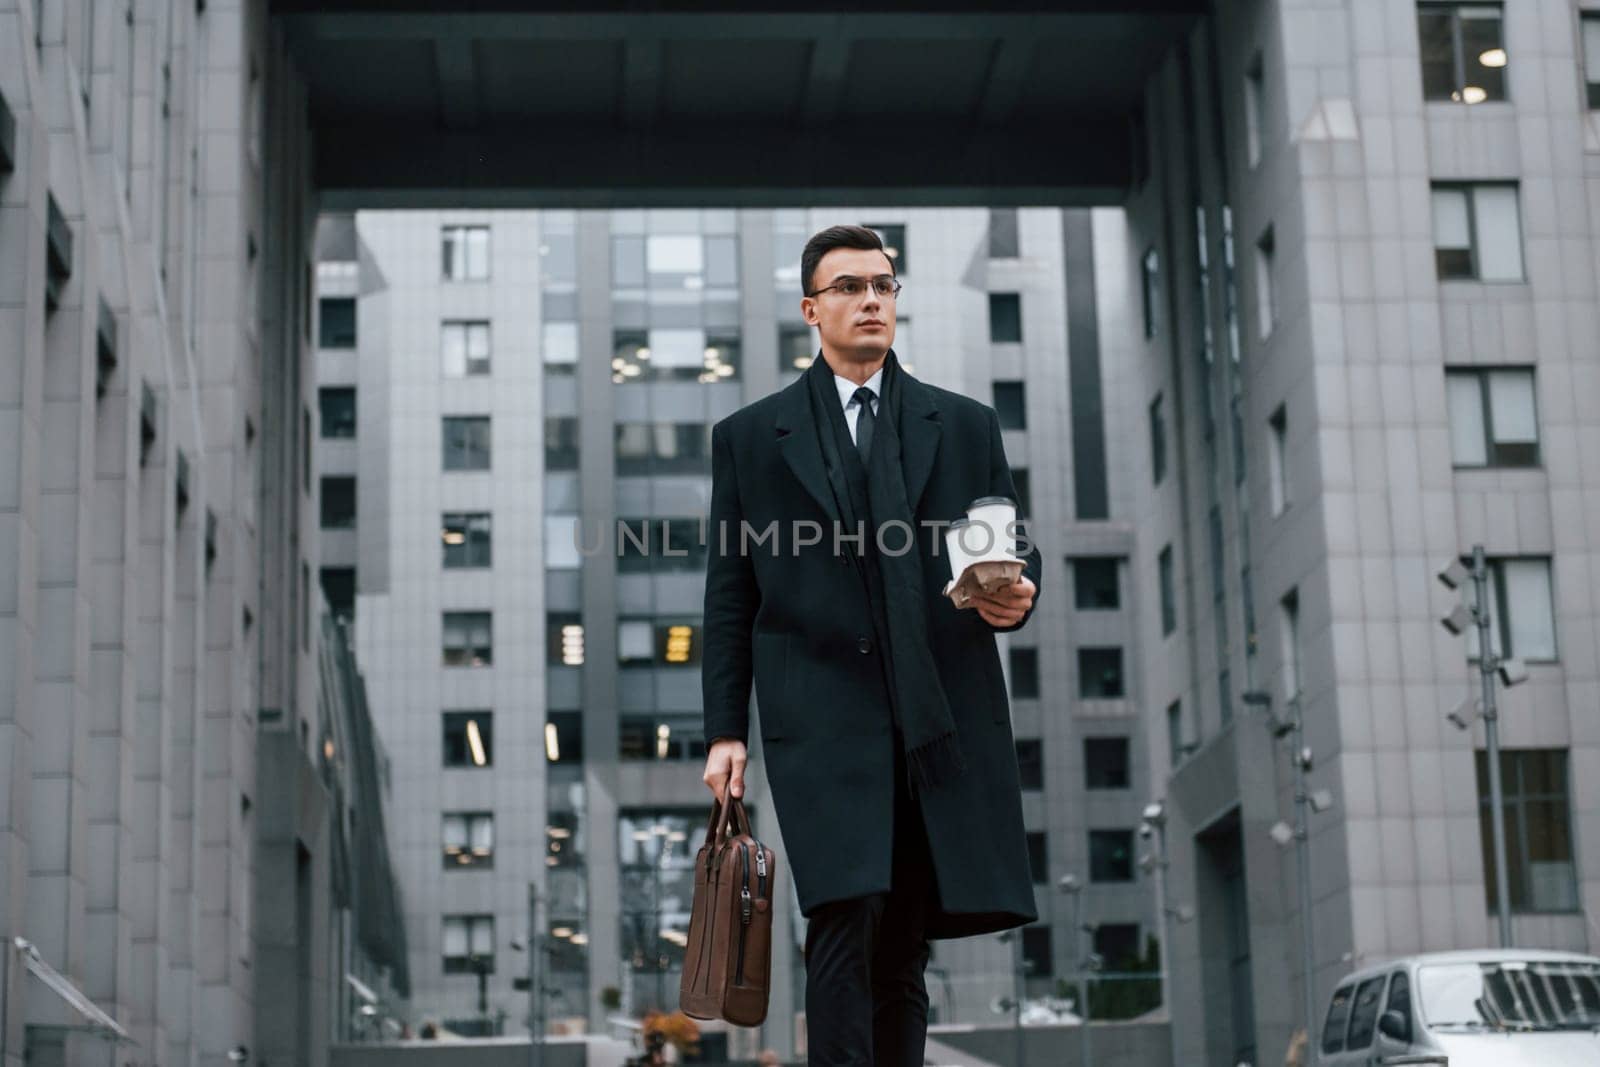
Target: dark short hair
{"type": "Point", "coordinates": [837, 237]}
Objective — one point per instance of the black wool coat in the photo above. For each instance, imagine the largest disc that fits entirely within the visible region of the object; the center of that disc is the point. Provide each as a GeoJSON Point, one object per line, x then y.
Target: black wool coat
{"type": "Point", "coordinates": [795, 618]}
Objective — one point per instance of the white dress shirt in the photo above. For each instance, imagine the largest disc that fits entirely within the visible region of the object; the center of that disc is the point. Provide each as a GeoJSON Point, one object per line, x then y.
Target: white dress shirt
{"type": "Point", "coordinates": [852, 408]}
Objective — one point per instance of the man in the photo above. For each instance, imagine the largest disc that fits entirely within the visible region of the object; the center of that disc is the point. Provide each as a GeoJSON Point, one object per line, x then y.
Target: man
{"type": "Point", "coordinates": [883, 713]}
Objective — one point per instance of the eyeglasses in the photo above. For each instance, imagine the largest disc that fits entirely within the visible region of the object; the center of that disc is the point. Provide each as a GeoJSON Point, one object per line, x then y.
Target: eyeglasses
{"type": "Point", "coordinates": [886, 286]}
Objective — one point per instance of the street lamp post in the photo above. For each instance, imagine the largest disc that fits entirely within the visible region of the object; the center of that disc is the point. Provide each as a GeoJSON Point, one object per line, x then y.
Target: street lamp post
{"type": "Point", "coordinates": [535, 994]}
{"type": "Point", "coordinates": [1070, 885]}
{"type": "Point", "coordinates": [1511, 672]}
{"type": "Point", "coordinates": [1305, 802]}
{"type": "Point", "coordinates": [1014, 939]}
{"type": "Point", "coordinates": [1154, 826]}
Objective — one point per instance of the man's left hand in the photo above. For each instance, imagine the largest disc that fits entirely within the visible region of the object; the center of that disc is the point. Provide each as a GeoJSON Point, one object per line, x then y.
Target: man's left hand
{"type": "Point", "coordinates": [1005, 606]}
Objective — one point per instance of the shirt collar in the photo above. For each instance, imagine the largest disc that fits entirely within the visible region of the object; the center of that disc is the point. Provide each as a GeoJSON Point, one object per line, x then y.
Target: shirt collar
{"type": "Point", "coordinates": [847, 388]}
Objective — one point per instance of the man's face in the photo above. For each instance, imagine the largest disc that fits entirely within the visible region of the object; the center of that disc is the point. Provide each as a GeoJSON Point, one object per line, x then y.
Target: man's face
{"type": "Point", "coordinates": [859, 327]}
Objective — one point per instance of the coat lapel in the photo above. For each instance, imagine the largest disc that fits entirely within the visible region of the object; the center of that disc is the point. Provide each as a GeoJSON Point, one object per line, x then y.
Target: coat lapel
{"type": "Point", "coordinates": [797, 441]}
{"type": "Point", "coordinates": [920, 430]}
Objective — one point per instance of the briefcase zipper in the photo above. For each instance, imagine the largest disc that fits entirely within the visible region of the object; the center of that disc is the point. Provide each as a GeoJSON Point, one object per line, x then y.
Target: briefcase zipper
{"type": "Point", "coordinates": [761, 870]}
{"type": "Point", "coordinates": [744, 913]}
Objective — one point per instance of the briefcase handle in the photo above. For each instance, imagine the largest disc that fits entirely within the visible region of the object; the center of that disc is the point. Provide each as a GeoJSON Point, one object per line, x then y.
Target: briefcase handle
{"type": "Point", "coordinates": [721, 816]}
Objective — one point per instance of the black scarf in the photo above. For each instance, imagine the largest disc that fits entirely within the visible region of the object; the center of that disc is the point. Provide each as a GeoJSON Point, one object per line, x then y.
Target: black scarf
{"type": "Point", "coordinates": [917, 699]}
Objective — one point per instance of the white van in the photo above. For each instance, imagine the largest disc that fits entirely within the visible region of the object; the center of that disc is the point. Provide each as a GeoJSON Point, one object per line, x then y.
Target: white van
{"type": "Point", "coordinates": [1495, 1008]}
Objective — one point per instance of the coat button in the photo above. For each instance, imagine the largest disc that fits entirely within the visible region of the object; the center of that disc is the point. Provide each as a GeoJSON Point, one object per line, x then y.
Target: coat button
{"type": "Point", "coordinates": [863, 645]}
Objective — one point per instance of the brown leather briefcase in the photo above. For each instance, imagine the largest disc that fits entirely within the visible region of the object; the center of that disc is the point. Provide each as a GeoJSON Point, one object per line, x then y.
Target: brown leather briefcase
{"type": "Point", "coordinates": [727, 964]}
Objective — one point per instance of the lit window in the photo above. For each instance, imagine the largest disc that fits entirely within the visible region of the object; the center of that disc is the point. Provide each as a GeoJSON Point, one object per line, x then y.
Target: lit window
{"type": "Point", "coordinates": [1463, 52]}
{"type": "Point", "coordinates": [468, 839]}
{"type": "Point", "coordinates": [468, 738]}
{"type": "Point", "coordinates": [468, 639]}
{"type": "Point", "coordinates": [467, 539]}
{"type": "Point", "coordinates": [468, 944]}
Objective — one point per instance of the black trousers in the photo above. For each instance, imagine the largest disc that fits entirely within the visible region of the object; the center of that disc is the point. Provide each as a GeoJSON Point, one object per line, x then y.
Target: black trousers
{"type": "Point", "coordinates": [866, 998]}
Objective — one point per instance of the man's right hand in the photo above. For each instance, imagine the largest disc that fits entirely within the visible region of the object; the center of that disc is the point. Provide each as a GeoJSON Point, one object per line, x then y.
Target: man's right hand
{"type": "Point", "coordinates": [724, 764]}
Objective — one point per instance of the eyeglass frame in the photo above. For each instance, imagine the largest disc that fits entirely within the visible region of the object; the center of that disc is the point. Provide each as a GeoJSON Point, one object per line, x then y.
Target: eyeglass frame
{"type": "Point", "coordinates": [871, 282]}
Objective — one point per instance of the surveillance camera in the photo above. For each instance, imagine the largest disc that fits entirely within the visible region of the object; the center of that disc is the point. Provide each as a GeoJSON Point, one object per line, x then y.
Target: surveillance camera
{"type": "Point", "coordinates": [1459, 621]}
{"type": "Point", "coordinates": [1513, 672]}
{"type": "Point", "coordinates": [1306, 760]}
{"type": "Point", "coordinates": [1282, 834]}
{"type": "Point", "coordinates": [1321, 801]}
{"type": "Point", "coordinates": [1068, 883]}
{"type": "Point", "coordinates": [238, 1054]}
{"type": "Point", "coordinates": [1155, 813]}
{"type": "Point", "coordinates": [1147, 863]}
{"type": "Point", "coordinates": [1465, 715]}
{"type": "Point", "coordinates": [1182, 912]}
{"type": "Point", "coordinates": [1146, 830]}
{"type": "Point", "coordinates": [1455, 576]}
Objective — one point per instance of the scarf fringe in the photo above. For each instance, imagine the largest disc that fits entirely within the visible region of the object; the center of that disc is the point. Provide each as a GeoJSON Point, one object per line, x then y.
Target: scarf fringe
{"type": "Point", "coordinates": [936, 762]}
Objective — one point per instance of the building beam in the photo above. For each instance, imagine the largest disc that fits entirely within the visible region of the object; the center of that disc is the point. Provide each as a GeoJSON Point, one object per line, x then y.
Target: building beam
{"type": "Point", "coordinates": [1081, 162]}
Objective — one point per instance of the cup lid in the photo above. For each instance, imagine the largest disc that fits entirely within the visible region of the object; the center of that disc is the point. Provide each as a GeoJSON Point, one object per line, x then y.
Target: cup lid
{"type": "Point", "coordinates": [962, 521]}
{"type": "Point", "coordinates": [983, 500]}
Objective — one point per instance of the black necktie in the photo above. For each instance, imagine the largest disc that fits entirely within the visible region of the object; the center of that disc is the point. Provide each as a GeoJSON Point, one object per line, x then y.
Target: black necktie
{"type": "Point", "coordinates": [865, 422]}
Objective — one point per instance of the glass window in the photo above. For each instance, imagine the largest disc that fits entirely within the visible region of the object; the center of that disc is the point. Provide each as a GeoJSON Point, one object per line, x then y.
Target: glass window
{"type": "Point", "coordinates": [644, 448]}
{"type": "Point", "coordinates": [468, 738]}
{"type": "Point", "coordinates": [657, 853]}
{"type": "Point", "coordinates": [1030, 763]}
{"type": "Point", "coordinates": [1277, 454]}
{"type": "Point", "coordinates": [674, 258]}
{"type": "Point", "coordinates": [1364, 1014]}
{"type": "Point", "coordinates": [467, 539]}
{"type": "Point", "coordinates": [1493, 417]}
{"type": "Point", "coordinates": [1100, 673]}
{"type": "Point", "coordinates": [658, 642]}
{"type": "Point", "coordinates": [466, 253]}
{"type": "Point", "coordinates": [1177, 748]}
{"type": "Point", "coordinates": [464, 349]}
{"type": "Point", "coordinates": [1169, 591]}
{"type": "Point", "coordinates": [468, 839]}
{"type": "Point", "coordinates": [565, 639]}
{"type": "Point", "coordinates": [797, 347]}
{"type": "Point", "coordinates": [1010, 403]}
{"type": "Point", "coordinates": [1254, 107]}
{"type": "Point", "coordinates": [1117, 945]}
{"type": "Point", "coordinates": [336, 322]}
{"type": "Point", "coordinates": [1038, 955]}
{"type": "Point", "coordinates": [1477, 232]}
{"type": "Point", "coordinates": [336, 408]}
{"type": "Point", "coordinates": [1106, 763]}
{"type": "Point", "coordinates": [1591, 58]}
{"type": "Point", "coordinates": [894, 246]}
{"type": "Point", "coordinates": [339, 587]}
{"type": "Point", "coordinates": [1289, 643]}
{"type": "Point", "coordinates": [1111, 855]}
{"type": "Point", "coordinates": [1024, 673]}
{"type": "Point", "coordinates": [662, 736]}
{"type": "Point", "coordinates": [1463, 52]}
{"type": "Point", "coordinates": [1023, 484]}
{"type": "Point", "coordinates": [1095, 583]}
{"type": "Point", "coordinates": [1150, 285]}
{"type": "Point", "coordinates": [563, 738]}
{"type": "Point", "coordinates": [1399, 1000]}
{"type": "Point", "coordinates": [660, 545]}
{"type": "Point", "coordinates": [468, 639]}
{"type": "Point", "coordinates": [1158, 441]}
{"type": "Point", "coordinates": [561, 543]}
{"type": "Point", "coordinates": [1004, 240]}
{"type": "Point", "coordinates": [560, 443]}
{"type": "Point", "coordinates": [1511, 995]}
{"type": "Point", "coordinates": [1266, 300]}
{"type": "Point", "coordinates": [468, 944]}
{"type": "Point", "coordinates": [1005, 317]}
{"type": "Point", "coordinates": [1521, 609]}
{"type": "Point", "coordinates": [338, 503]}
{"type": "Point", "coordinates": [1338, 1019]}
{"type": "Point", "coordinates": [466, 442]}
{"type": "Point", "coordinates": [1539, 852]}
{"type": "Point", "coordinates": [1038, 857]}
{"type": "Point", "coordinates": [560, 346]}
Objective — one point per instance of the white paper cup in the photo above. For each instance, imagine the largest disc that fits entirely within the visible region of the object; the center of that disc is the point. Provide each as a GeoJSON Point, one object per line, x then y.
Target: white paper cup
{"type": "Point", "coordinates": [960, 558]}
{"type": "Point", "coordinates": [992, 534]}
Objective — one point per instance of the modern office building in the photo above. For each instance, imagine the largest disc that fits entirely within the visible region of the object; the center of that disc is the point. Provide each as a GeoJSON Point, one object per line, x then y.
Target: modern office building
{"type": "Point", "coordinates": [1344, 299]}
{"type": "Point", "coordinates": [171, 811]}
{"type": "Point", "coordinates": [446, 340]}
